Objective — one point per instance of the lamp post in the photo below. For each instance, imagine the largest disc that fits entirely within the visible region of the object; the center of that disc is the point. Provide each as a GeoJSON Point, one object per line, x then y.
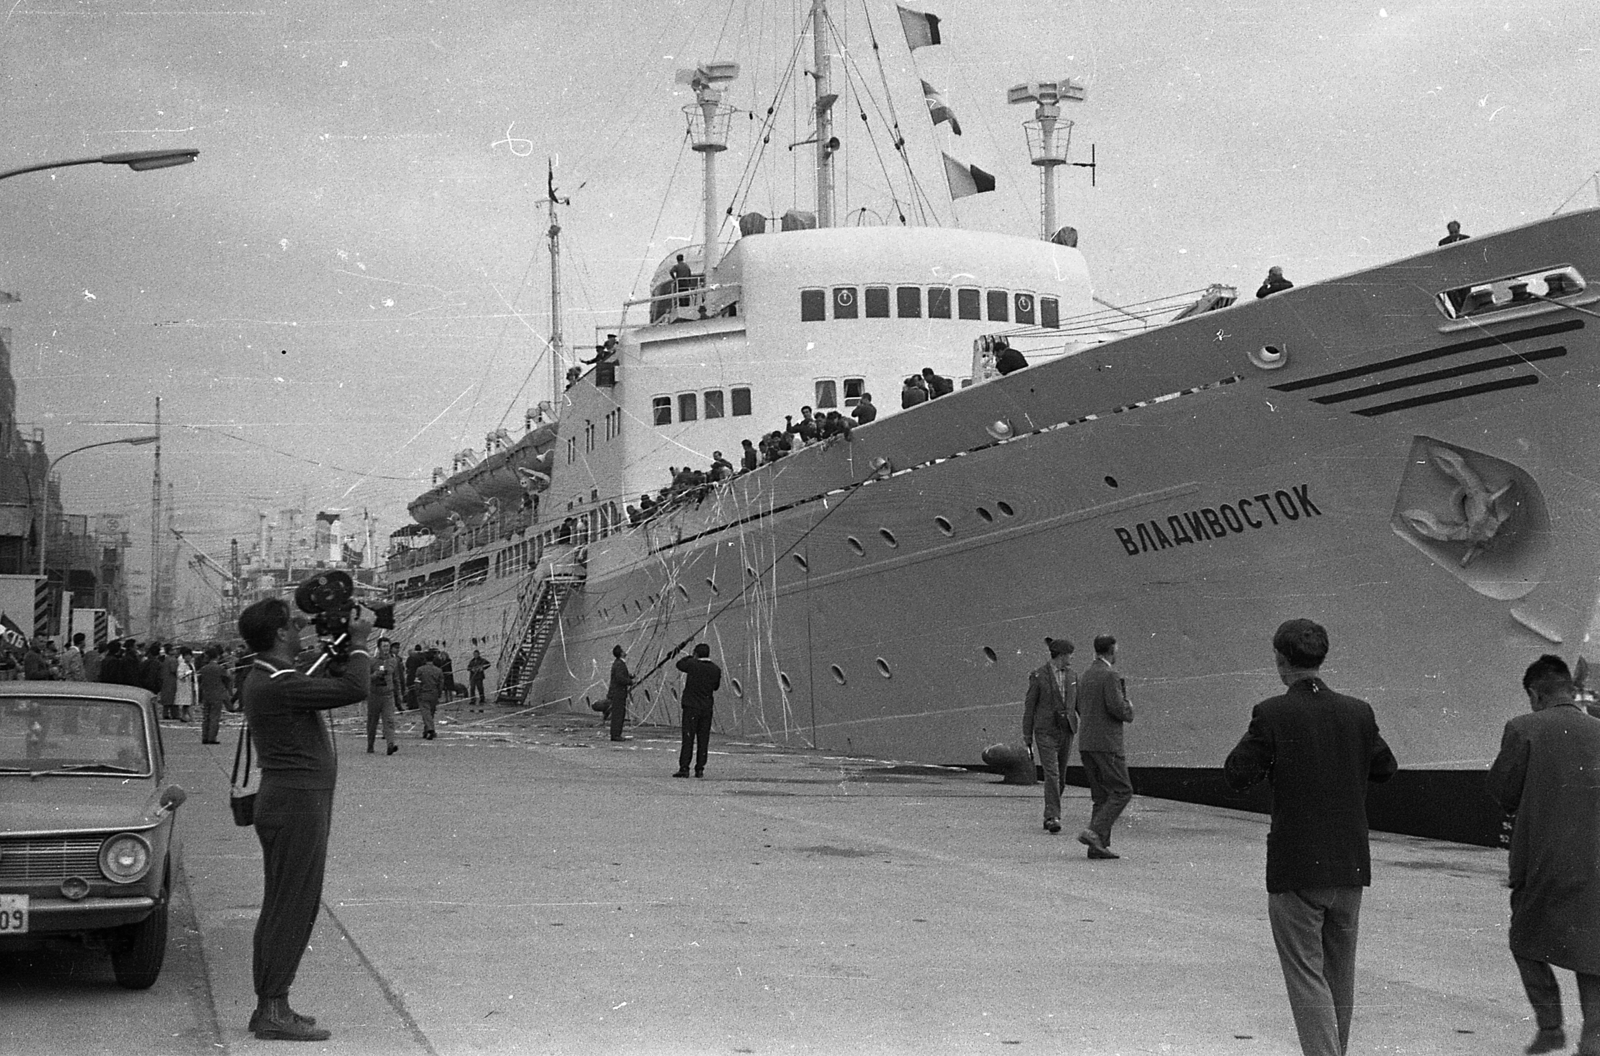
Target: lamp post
{"type": "Point", "coordinates": [44, 518]}
{"type": "Point", "coordinates": [137, 160]}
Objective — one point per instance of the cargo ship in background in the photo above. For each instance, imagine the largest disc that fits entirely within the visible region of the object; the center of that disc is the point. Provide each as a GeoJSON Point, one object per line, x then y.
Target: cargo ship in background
{"type": "Point", "coordinates": [1403, 453]}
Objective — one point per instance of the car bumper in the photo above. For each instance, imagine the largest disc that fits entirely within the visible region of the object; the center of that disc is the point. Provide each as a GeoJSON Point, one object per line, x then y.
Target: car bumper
{"type": "Point", "coordinates": [60, 916]}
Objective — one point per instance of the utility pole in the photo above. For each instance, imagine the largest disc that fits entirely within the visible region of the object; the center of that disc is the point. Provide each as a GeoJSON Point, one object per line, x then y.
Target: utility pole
{"type": "Point", "coordinates": [155, 530]}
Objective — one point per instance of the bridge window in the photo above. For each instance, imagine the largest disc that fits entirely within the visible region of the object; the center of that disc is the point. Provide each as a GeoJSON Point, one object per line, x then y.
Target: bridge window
{"type": "Point", "coordinates": [741, 402]}
{"type": "Point", "coordinates": [1050, 313]}
{"type": "Point", "coordinates": [812, 304]}
{"type": "Point", "coordinates": [968, 303]}
{"type": "Point", "coordinates": [853, 388]}
{"type": "Point", "coordinates": [877, 302]}
{"type": "Point", "coordinates": [661, 410]}
{"type": "Point", "coordinates": [1024, 306]}
{"type": "Point", "coordinates": [713, 403]}
{"type": "Point", "coordinates": [845, 302]}
{"type": "Point", "coordinates": [999, 310]}
{"type": "Point", "coordinates": [827, 394]}
{"type": "Point", "coordinates": [908, 302]}
{"type": "Point", "coordinates": [686, 407]}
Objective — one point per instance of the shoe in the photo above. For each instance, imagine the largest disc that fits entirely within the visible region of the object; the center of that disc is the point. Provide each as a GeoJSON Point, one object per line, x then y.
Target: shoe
{"type": "Point", "coordinates": [680, 773]}
{"type": "Point", "coordinates": [278, 1022]}
{"type": "Point", "coordinates": [392, 749]}
{"type": "Point", "coordinates": [369, 749]}
{"type": "Point", "coordinates": [427, 735]}
{"type": "Point", "coordinates": [1547, 1041]}
{"type": "Point", "coordinates": [1052, 826]}
{"type": "Point", "coordinates": [699, 773]}
{"type": "Point", "coordinates": [1100, 854]}
{"type": "Point", "coordinates": [1091, 839]}
{"type": "Point", "coordinates": [210, 740]}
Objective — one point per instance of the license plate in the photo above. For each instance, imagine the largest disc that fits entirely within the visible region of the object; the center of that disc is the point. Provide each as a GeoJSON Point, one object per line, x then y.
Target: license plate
{"type": "Point", "coordinates": [13, 914]}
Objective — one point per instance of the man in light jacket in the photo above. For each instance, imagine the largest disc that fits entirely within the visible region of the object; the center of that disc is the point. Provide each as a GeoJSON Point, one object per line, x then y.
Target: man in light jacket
{"type": "Point", "coordinates": [1050, 716]}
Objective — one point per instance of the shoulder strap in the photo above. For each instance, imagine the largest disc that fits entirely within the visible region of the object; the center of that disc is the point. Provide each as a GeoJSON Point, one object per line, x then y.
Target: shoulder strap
{"type": "Point", "coordinates": [242, 751]}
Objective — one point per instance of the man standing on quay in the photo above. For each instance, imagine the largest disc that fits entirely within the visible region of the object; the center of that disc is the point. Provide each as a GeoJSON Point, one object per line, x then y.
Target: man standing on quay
{"type": "Point", "coordinates": [1050, 716]}
{"type": "Point", "coordinates": [1548, 775]}
{"type": "Point", "coordinates": [617, 692]}
{"type": "Point", "coordinates": [294, 807]}
{"type": "Point", "coordinates": [1104, 710]}
{"type": "Point", "coordinates": [1319, 749]}
{"type": "Point", "coordinates": [702, 678]}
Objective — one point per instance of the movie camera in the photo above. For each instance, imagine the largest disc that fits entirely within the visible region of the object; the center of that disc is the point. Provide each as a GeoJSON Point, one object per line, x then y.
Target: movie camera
{"type": "Point", "coordinates": [329, 599]}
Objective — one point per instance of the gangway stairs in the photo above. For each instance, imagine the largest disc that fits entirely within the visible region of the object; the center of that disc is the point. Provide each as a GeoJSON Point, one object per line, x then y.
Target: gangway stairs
{"type": "Point", "coordinates": [529, 635]}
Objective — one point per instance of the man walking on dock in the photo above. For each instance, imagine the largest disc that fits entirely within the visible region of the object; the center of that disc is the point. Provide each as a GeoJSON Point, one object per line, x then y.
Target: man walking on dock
{"type": "Point", "coordinates": [1104, 709]}
{"type": "Point", "coordinates": [1545, 774]}
{"type": "Point", "coordinates": [702, 678]}
{"type": "Point", "coordinates": [1319, 749]}
{"type": "Point", "coordinates": [1050, 717]}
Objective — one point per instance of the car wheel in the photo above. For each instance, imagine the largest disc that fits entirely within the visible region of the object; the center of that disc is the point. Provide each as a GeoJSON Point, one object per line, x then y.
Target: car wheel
{"type": "Point", "coordinates": [137, 958]}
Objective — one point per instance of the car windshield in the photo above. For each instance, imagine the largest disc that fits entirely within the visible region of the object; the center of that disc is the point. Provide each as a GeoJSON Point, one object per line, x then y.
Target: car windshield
{"type": "Point", "coordinates": [61, 733]}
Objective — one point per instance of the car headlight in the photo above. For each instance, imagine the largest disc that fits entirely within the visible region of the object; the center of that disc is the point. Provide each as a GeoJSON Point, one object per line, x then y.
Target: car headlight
{"type": "Point", "coordinates": [125, 858]}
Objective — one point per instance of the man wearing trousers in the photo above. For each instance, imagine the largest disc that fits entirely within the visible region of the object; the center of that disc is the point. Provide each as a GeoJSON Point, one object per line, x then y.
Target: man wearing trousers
{"type": "Point", "coordinates": [216, 689]}
{"type": "Point", "coordinates": [702, 678]}
{"type": "Point", "coordinates": [1103, 710]}
{"type": "Point", "coordinates": [294, 806]}
{"type": "Point", "coordinates": [1319, 749]}
{"type": "Point", "coordinates": [1545, 774]}
{"type": "Point", "coordinates": [385, 675]}
{"type": "Point", "coordinates": [617, 692]}
{"type": "Point", "coordinates": [1050, 717]}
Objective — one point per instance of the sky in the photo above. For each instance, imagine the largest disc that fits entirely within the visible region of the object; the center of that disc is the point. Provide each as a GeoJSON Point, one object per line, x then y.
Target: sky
{"type": "Point", "coordinates": [350, 284]}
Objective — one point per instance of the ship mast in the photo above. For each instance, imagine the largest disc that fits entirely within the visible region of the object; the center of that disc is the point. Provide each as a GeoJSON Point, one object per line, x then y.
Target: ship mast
{"type": "Point", "coordinates": [708, 137]}
{"type": "Point", "coordinates": [1049, 137]}
{"type": "Point", "coordinates": [822, 55]}
{"type": "Point", "coordinates": [155, 532]}
{"type": "Point", "coordinates": [557, 340]}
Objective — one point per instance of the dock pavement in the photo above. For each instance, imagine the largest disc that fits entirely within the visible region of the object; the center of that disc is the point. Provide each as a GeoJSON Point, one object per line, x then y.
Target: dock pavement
{"type": "Point", "coordinates": [524, 885]}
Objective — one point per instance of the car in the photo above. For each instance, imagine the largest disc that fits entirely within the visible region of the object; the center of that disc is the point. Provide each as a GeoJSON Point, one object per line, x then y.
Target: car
{"type": "Point", "coordinates": [88, 828]}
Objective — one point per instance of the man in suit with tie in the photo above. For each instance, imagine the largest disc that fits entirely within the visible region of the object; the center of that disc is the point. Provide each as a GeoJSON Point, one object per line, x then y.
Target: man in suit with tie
{"type": "Point", "coordinates": [1050, 716]}
{"type": "Point", "coordinates": [1103, 710]}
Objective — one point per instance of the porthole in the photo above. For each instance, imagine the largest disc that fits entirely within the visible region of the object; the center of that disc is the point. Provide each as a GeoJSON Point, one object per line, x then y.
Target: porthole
{"type": "Point", "coordinates": [800, 559]}
{"type": "Point", "coordinates": [838, 673]}
{"type": "Point", "coordinates": [783, 680]}
{"type": "Point", "coordinates": [888, 537]}
{"type": "Point", "coordinates": [883, 667]}
{"type": "Point", "coordinates": [749, 571]}
{"type": "Point", "coordinates": [674, 692]}
{"type": "Point", "coordinates": [684, 591]}
{"type": "Point", "coordinates": [1111, 482]}
{"type": "Point", "coordinates": [1270, 357]}
{"type": "Point", "coordinates": [855, 544]}
{"type": "Point", "coordinates": [990, 656]}
{"type": "Point", "coordinates": [738, 687]}
{"type": "Point", "coordinates": [944, 526]}
{"type": "Point", "coordinates": [985, 514]}
{"type": "Point", "coordinates": [647, 696]}
{"type": "Point", "coordinates": [1006, 509]}
{"type": "Point", "coordinates": [713, 585]}
{"type": "Point", "coordinates": [587, 704]}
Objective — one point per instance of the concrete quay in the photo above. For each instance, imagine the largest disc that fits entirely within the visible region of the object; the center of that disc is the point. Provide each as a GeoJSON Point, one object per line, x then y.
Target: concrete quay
{"type": "Point", "coordinates": [523, 885]}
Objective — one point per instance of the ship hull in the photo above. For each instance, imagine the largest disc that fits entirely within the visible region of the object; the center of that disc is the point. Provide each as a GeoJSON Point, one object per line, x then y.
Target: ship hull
{"type": "Point", "coordinates": [1184, 491]}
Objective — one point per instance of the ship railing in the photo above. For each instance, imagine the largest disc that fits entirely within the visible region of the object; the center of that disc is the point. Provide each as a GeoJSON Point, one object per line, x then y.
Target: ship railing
{"type": "Point", "coordinates": [528, 638]}
{"type": "Point", "coordinates": [683, 300]}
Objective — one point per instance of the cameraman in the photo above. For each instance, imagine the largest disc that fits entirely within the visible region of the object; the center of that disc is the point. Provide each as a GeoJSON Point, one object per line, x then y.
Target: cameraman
{"type": "Point", "coordinates": [294, 807]}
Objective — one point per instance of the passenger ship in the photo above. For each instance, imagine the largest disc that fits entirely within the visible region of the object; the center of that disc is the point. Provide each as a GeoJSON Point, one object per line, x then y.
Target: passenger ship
{"type": "Point", "coordinates": [1404, 453]}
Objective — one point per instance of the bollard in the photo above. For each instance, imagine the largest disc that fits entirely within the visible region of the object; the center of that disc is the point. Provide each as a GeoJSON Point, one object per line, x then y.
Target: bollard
{"type": "Point", "coordinates": [1012, 762]}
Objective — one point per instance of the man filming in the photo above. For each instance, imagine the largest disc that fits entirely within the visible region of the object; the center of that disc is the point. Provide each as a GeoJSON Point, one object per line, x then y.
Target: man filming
{"type": "Point", "coordinates": [294, 807]}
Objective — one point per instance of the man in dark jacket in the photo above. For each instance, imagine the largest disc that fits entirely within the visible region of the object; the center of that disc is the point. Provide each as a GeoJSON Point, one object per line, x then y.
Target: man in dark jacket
{"type": "Point", "coordinates": [1050, 716]}
{"type": "Point", "coordinates": [617, 692]}
{"type": "Point", "coordinates": [1319, 749]}
{"type": "Point", "coordinates": [1545, 775]}
{"type": "Point", "coordinates": [216, 689]}
{"type": "Point", "coordinates": [702, 678]}
{"type": "Point", "coordinates": [1103, 711]}
{"type": "Point", "coordinates": [938, 385]}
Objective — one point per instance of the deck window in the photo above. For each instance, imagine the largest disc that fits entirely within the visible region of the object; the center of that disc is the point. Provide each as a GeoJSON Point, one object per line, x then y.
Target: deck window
{"type": "Point", "coordinates": [741, 402]}
{"type": "Point", "coordinates": [968, 303]}
{"type": "Point", "coordinates": [1050, 313]}
{"type": "Point", "coordinates": [713, 403]}
{"type": "Point", "coordinates": [687, 409]}
{"type": "Point", "coordinates": [846, 303]}
{"type": "Point", "coordinates": [999, 309]}
{"type": "Point", "coordinates": [877, 302]}
{"type": "Point", "coordinates": [827, 394]}
{"type": "Point", "coordinates": [938, 302]}
{"type": "Point", "coordinates": [853, 388]}
{"type": "Point", "coordinates": [812, 304]}
{"type": "Point", "coordinates": [908, 302]}
{"type": "Point", "coordinates": [661, 410]}
{"type": "Point", "coordinates": [1023, 302]}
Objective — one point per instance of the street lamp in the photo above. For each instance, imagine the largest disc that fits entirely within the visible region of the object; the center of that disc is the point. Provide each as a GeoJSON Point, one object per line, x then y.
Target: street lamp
{"type": "Point", "coordinates": [137, 160]}
{"type": "Point", "coordinates": [44, 519]}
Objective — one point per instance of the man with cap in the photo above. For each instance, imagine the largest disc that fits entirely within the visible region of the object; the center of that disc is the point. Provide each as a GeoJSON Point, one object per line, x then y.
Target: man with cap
{"type": "Point", "coordinates": [1050, 716]}
{"type": "Point", "coordinates": [702, 678]}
